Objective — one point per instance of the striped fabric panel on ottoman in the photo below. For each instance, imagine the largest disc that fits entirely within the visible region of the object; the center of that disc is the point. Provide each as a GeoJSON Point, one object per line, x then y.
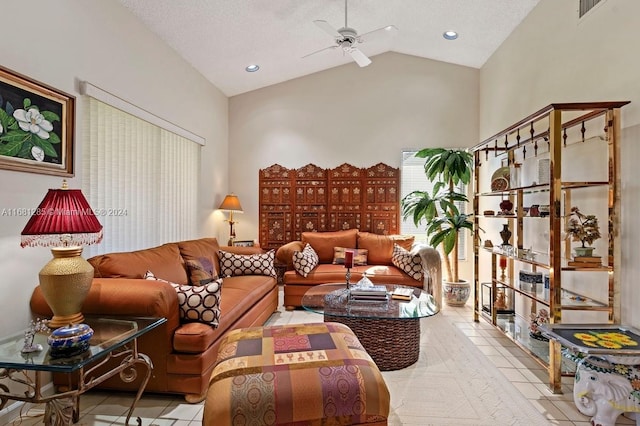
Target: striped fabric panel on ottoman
{"type": "Point", "coordinates": [297, 374]}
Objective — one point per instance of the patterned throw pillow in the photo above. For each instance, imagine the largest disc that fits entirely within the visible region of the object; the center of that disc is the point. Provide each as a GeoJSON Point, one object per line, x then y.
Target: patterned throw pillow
{"type": "Point", "coordinates": [201, 271]}
{"type": "Point", "coordinates": [232, 264]}
{"type": "Point", "coordinates": [197, 303]}
{"type": "Point", "coordinates": [305, 261]}
{"type": "Point", "coordinates": [359, 256]}
{"type": "Point", "coordinates": [409, 263]}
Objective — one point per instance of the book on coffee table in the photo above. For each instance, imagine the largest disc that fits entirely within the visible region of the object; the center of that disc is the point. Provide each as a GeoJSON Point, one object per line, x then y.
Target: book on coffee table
{"type": "Point", "coordinates": [376, 292]}
{"type": "Point", "coordinates": [402, 293]}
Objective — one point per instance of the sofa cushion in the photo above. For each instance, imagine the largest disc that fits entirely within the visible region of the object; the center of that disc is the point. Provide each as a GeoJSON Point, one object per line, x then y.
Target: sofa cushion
{"type": "Point", "coordinates": [324, 242]}
{"type": "Point", "coordinates": [359, 256]}
{"type": "Point", "coordinates": [202, 248]}
{"type": "Point", "coordinates": [201, 271]}
{"type": "Point", "coordinates": [408, 262]}
{"type": "Point", "coordinates": [165, 261]}
{"type": "Point", "coordinates": [330, 273]}
{"type": "Point", "coordinates": [381, 246]}
{"type": "Point", "coordinates": [239, 295]}
{"type": "Point", "coordinates": [305, 261]}
{"type": "Point", "coordinates": [232, 264]}
{"type": "Point", "coordinates": [197, 303]}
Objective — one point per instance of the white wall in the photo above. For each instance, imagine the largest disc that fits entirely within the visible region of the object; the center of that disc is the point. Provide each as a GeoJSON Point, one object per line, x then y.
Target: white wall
{"type": "Point", "coordinates": [348, 114]}
{"type": "Point", "coordinates": [554, 57]}
{"type": "Point", "coordinates": [66, 41]}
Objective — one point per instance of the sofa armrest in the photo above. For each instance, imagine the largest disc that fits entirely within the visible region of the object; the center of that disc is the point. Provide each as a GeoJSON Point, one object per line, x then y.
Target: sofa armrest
{"type": "Point", "coordinates": [122, 296]}
{"type": "Point", "coordinates": [432, 271]}
{"type": "Point", "coordinates": [284, 255]}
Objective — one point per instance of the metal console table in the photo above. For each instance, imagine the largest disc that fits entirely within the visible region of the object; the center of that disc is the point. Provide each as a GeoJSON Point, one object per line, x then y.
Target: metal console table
{"type": "Point", "coordinates": [21, 374]}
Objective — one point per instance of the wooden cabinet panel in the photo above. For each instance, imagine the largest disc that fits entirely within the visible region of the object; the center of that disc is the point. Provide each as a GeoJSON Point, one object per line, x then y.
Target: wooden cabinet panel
{"type": "Point", "coordinates": [311, 198]}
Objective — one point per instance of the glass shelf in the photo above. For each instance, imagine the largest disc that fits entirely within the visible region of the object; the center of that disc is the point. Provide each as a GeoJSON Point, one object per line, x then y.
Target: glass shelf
{"type": "Point", "coordinates": [540, 259]}
{"type": "Point", "coordinates": [517, 329]}
{"type": "Point", "coordinates": [540, 188]}
{"type": "Point", "coordinates": [570, 300]}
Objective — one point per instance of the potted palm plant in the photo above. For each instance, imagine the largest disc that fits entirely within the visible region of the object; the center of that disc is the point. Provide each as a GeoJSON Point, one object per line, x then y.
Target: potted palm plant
{"type": "Point", "coordinates": [446, 168]}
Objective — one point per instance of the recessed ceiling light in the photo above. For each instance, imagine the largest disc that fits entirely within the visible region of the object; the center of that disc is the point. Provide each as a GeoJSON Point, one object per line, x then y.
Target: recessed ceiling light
{"type": "Point", "coordinates": [450, 35]}
{"type": "Point", "coordinates": [252, 68]}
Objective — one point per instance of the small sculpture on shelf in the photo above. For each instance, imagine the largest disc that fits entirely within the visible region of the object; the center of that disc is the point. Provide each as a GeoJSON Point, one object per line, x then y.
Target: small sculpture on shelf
{"type": "Point", "coordinates": [542, 317]}
{"type": "Point", "coordinates": [583, 228]}
{"type": "Point", "coordinates": [501, 300]}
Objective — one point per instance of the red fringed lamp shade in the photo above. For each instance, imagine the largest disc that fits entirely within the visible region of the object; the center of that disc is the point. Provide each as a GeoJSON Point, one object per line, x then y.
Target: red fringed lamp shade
{"type": "Point", "coordinates": [63, 218]}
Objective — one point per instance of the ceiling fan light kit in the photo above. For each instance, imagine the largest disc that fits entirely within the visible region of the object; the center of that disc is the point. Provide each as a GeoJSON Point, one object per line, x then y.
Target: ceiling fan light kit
{"type": "Point", "coordinates": [347, 38]}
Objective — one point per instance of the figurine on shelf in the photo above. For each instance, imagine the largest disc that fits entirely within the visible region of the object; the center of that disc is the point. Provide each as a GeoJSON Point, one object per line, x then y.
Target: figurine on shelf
{"type": "Point", "coordinates": [29, 335]}
{"type": "Point", "coordinates": [501, 300]}
{"type": "Point", "coordinates": [542, 317]}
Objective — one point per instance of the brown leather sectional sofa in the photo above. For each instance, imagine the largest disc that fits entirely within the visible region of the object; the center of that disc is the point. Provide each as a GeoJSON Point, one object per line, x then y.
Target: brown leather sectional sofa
{"type": "Point", "coordinates": [183, 353]}
{"type": "Point", "coordinates": [379, 268]}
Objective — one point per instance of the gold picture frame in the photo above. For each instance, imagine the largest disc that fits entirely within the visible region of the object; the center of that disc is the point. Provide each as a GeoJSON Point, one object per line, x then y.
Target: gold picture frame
{"type": "Point", "coordinates": [36, 126]}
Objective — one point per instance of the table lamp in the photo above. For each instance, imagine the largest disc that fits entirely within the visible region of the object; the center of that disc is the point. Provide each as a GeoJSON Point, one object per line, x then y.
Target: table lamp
{"type": "Point", "coordinates": [64, 221]}
{"type": "Point", "coordinates": [231, 203]}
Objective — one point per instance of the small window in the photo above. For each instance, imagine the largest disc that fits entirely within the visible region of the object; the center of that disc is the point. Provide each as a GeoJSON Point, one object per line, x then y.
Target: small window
{"type": "Point", "coordinates": [412, 178]}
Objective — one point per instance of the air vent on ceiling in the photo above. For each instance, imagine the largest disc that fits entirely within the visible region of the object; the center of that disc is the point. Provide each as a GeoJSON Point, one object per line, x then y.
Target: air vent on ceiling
{"type": "Point", "coordinates": [587, 5]}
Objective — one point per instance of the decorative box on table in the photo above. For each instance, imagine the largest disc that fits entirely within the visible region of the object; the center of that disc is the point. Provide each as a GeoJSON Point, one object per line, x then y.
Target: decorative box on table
{"type": "Point", "coordinates": [503, 302]}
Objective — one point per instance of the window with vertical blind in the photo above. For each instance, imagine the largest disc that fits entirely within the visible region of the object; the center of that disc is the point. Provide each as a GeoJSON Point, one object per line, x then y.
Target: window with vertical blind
{"type": "Point", "coordinates": [413, 178]}
{"type": "Point", "coordinates": [141, 180]}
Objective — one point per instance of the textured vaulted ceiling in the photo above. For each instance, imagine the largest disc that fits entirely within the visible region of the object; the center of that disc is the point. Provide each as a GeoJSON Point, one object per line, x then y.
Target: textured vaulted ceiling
{"type": "Point", "coordinates": [221, 37]}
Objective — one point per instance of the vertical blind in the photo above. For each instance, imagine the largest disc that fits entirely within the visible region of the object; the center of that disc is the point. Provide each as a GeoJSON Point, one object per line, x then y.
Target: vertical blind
{"type": "Point", "coordinates": [413, 178]}
{"type": "Point", "coordinates": [141, 180]}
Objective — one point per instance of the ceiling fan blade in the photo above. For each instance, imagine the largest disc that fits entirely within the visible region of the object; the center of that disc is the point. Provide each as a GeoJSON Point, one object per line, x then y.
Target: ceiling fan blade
{"type": "Point", "coordinates": [321, 50]}
{"type": "Point", "coordinates": [380, 32]}
{"type": "Point", "coordinates": [360, 58]}
{"type": "Point", "coordinates": [327, 28]}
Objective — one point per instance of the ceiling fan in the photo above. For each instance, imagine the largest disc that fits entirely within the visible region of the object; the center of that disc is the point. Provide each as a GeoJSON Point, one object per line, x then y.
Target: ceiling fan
{"type": "Point", "coordinates": [347, 38]}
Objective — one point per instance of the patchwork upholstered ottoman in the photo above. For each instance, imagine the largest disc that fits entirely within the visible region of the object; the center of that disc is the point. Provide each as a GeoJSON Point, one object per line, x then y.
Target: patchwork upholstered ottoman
{"type": "Point", "coordinates": [302, 374]}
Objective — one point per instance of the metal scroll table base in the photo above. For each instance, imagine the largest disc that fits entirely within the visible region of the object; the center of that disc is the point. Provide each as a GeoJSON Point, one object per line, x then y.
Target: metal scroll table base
{"type": "Point", "coordinates": [63, 408]}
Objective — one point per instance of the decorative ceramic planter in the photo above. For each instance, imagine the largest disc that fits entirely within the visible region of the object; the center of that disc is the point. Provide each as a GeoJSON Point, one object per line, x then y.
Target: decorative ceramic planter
{"type": "Point", "coordinates": [584, 251]}
{"type": "Point", "coordinates": [456, 294]}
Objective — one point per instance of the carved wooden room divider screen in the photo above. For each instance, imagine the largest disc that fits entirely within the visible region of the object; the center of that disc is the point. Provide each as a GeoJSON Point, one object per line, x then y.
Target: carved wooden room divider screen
{"type": "Point", "coordinates": [293, 201]}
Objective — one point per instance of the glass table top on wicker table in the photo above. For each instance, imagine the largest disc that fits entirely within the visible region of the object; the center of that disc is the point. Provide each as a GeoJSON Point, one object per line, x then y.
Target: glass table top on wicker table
{"type": "Point", "coordinates": [112, 338]}
{"type": "Point", "coordinates": [389, 330]}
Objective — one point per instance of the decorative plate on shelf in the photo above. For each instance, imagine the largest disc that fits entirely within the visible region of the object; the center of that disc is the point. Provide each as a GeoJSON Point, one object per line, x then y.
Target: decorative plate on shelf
{"type": "Point", "coordinates": [500, 179]}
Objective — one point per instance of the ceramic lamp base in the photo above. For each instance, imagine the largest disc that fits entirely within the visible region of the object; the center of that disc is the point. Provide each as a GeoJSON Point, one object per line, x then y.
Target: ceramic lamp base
{"type": "Point", "coordinates": [65, 282]}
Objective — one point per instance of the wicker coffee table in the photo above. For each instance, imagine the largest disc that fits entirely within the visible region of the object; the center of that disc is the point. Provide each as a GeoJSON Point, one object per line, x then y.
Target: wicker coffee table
{"type": "Point", "coordinates": [389, 330]}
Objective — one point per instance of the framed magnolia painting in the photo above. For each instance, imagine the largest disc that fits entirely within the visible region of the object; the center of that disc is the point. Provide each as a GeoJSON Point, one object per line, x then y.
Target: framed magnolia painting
{"type": "Point", "coordinates": [36, 126]}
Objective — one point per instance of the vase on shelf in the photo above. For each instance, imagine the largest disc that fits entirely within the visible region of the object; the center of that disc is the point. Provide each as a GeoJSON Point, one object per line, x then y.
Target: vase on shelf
{"type": "Point", "coordinates": [506, 207]}
{"type": "Point", "coordinates": [505, 234]}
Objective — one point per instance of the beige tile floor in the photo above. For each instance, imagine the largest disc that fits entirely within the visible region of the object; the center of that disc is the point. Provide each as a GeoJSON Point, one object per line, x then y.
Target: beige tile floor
{"type": "Point", "coordinates": [101, 409]}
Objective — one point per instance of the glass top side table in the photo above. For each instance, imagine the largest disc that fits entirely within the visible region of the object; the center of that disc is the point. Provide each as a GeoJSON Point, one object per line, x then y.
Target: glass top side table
{"type": "Point", "coordinates": [114, 337]}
